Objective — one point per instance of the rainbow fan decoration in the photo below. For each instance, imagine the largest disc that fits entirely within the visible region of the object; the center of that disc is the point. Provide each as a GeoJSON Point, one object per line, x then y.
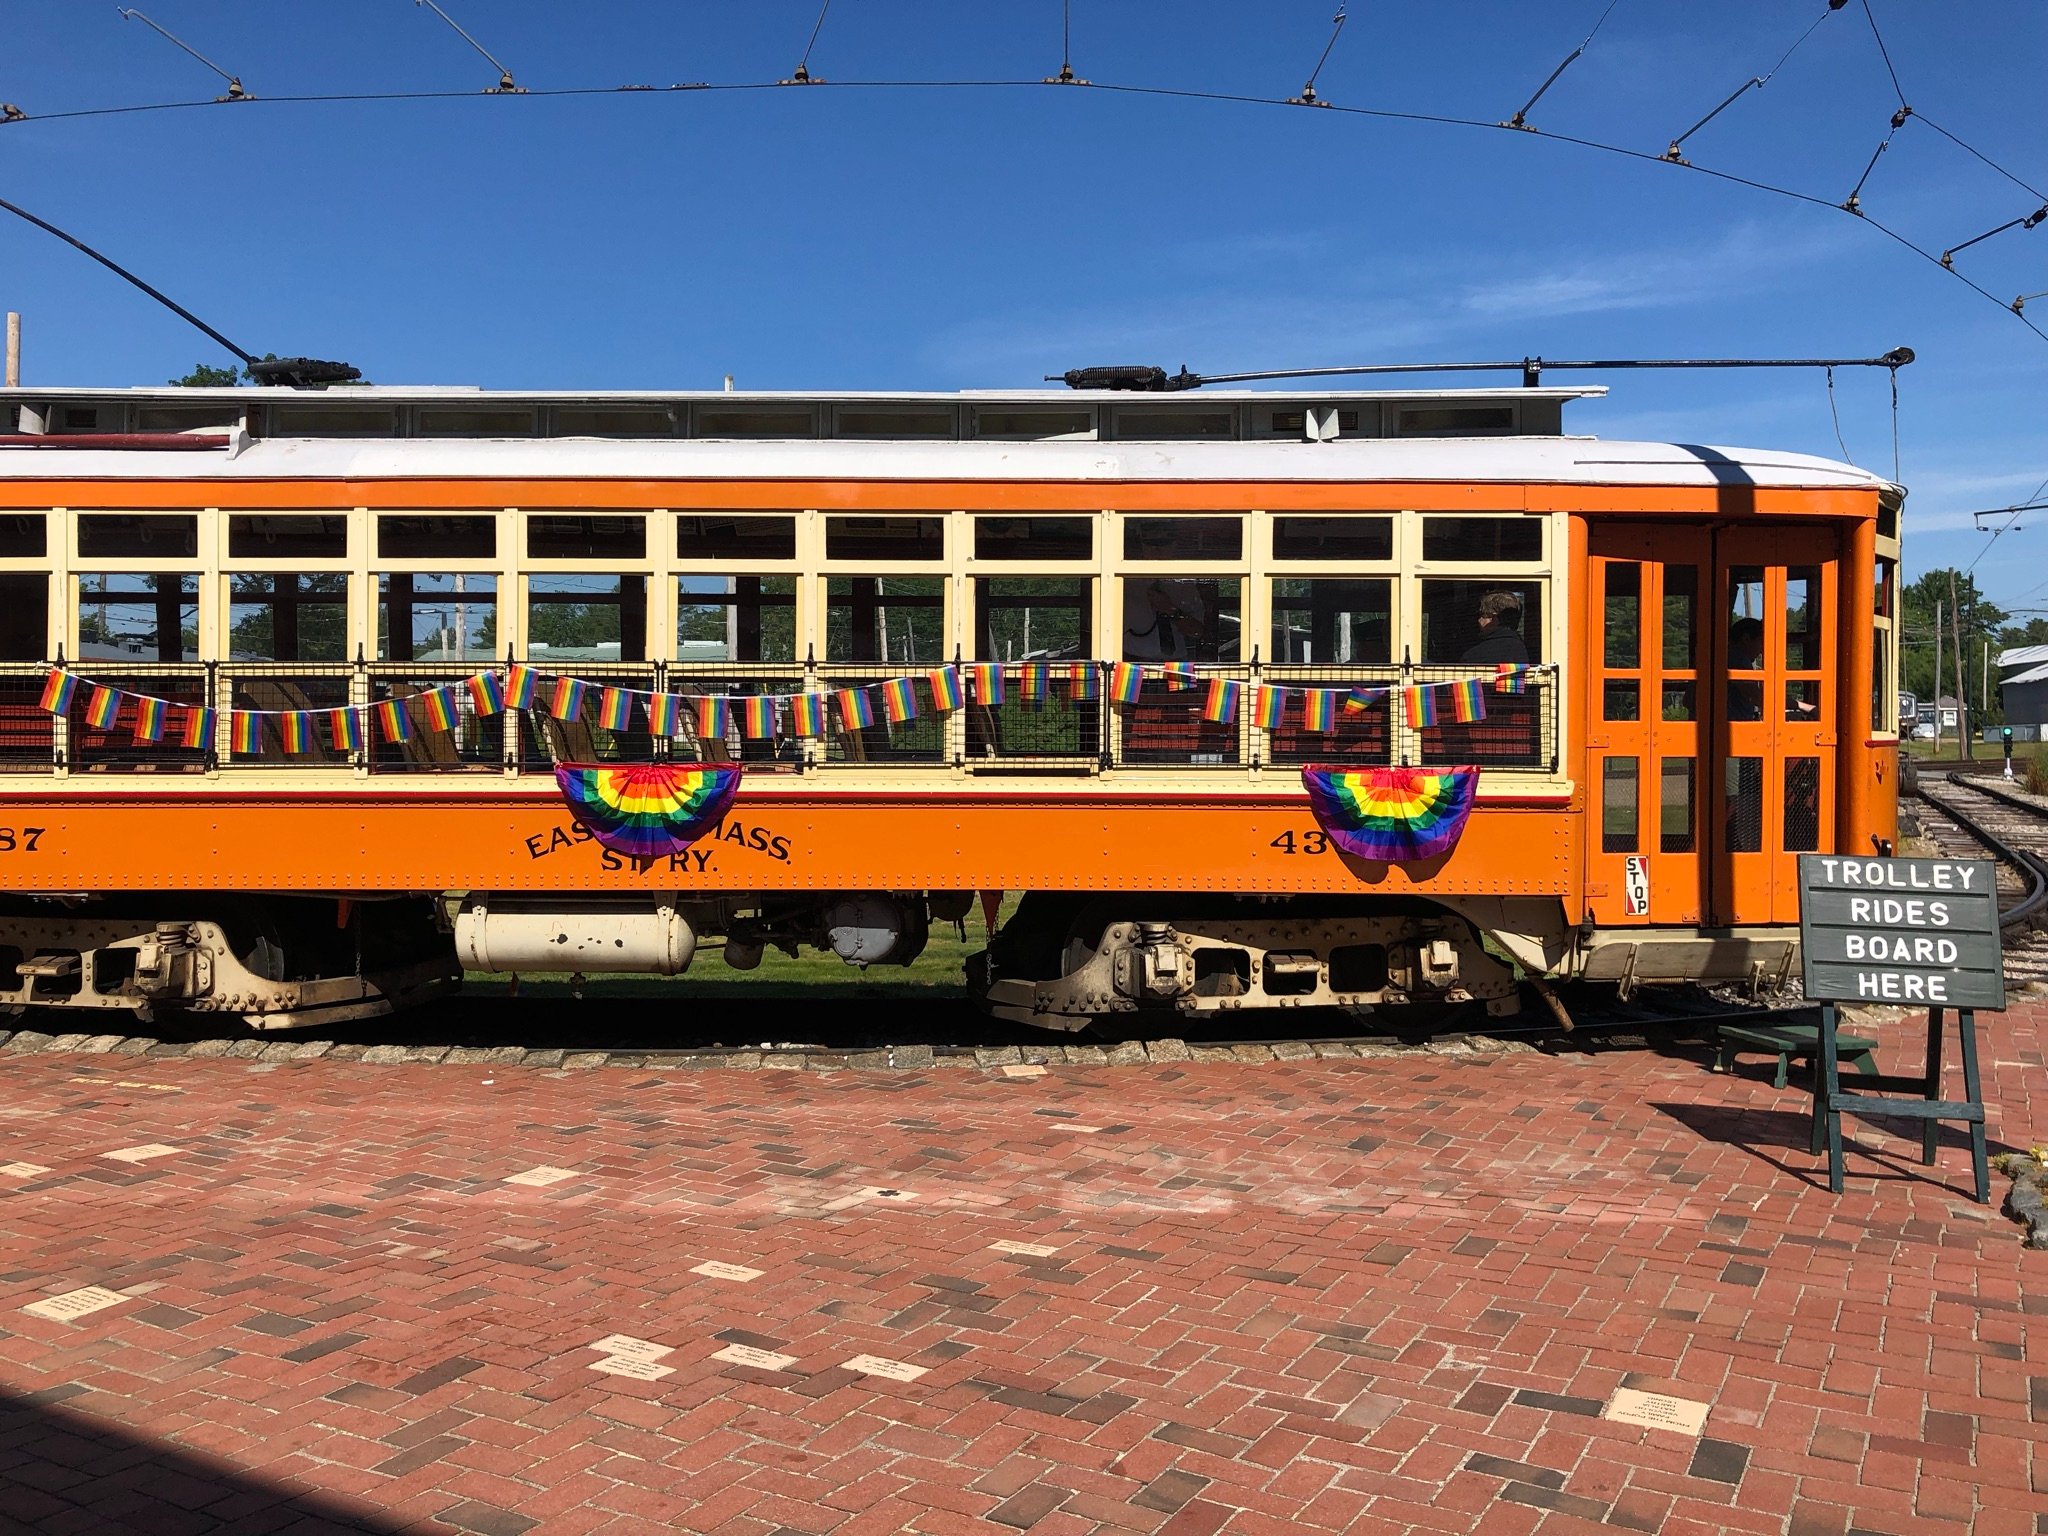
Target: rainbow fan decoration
{"type": "Point", "coordinates": [1392, 815]}
{"type": "Point", "coordinates": [648, 810]}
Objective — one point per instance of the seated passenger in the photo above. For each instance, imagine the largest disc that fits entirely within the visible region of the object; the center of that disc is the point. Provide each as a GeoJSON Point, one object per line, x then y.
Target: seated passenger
{"type": "Point", "coordinates": [1500, 633]}
{"type": "Point", "coordinates": [1164, 616]}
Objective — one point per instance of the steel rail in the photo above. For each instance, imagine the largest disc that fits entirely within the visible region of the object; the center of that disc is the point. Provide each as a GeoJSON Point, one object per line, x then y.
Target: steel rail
{"type": "Point", "coordinates": [2031, 866]}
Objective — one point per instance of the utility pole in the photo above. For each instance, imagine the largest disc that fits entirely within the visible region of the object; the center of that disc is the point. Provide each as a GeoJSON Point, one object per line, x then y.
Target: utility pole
{"type": "Point", "coordinates": [13, 349]}
{"type": "Point", "coordinates": [1955, 623]}
{"type": "Point", "coordinates": [1937, 677]}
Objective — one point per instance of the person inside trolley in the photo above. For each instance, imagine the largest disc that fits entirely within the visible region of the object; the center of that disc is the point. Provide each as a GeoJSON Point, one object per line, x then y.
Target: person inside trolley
{"type": "Point", "coordinates": [1165, 618]}
{"type": "Point", "coordinates": [1500, 632]}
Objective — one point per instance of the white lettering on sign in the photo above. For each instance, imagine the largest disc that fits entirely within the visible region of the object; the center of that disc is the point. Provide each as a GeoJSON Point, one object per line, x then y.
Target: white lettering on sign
{"type": "Point", "coordinates": [1915, 949]}
{"type": "Point", "coordinates": [1882, 874]}
{"type": "Point", "coordinates": [1635, 886]}
{"type": "Point", "coordinates": [1889, 909]}
{"type": "Point", "coordinates": [1890, 986]}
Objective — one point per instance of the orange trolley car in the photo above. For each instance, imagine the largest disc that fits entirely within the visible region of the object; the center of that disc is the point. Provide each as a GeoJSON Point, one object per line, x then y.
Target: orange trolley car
{"type": "Point", "coordinates": [1709, 634]}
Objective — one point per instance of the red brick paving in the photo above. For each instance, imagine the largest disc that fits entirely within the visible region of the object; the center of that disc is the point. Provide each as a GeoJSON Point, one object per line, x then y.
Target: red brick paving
{"type": "Point", "coordinates": [1378, 1295]}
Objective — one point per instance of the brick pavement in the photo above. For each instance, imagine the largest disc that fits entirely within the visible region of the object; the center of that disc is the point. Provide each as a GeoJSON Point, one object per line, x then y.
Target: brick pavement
{"type": "Point", "coordinates": [1175, 1298]}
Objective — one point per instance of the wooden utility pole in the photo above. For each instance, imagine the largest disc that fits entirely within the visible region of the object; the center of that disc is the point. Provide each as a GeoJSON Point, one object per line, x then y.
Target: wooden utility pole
{"type": "Point", "coordinates": [1955, 626]}
{"type": "Point", "coordinates": [1937, 677]}
{"type": "Point", "coordinates": [13, 349]}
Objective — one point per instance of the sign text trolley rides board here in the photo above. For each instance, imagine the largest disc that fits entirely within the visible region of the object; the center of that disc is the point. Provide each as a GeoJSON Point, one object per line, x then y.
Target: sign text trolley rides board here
{"type": "Point", "coordinates": [1901, 931]}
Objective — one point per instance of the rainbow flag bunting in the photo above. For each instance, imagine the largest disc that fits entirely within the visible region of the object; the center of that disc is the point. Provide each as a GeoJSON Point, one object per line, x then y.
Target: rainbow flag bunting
{"type": "Point", "coordinates": [437, 708]}
{"type": "Point", "coordinates": [899, 700]}
{"type": "Point", "coordinates": [1392, 815]}
{"type": "Point", "coordinates": [392, 720]}
{"type": "Point", "coordinates": [245, 732]}
{"type": "Point", "coordinates": [1178, 674]}
{"type": "Point", "coordinates": [1269, 706]}
{"type": "Point", "coordinates": [101, 707]}
{"type": "Point", "coordinates": [648, 810]}
{"type": "Point", "coordinates": [988, 682]}
{"type": "Point", "coordinates": [714, 717]}
{"type": "Point", "coordinates": [1468, 700]}
{"type": "Point", "coordinates": [565, 699]}
{"type": "Point", "coordinates": [196, 730]}
{"type": "Point", "coordinates": [807, 714]}
{"type": "Point", "coordinates": [487, 694]}
{"type": "Point", "coordinates": [1511, 677]}
{"type": "Point", "coordinates": [1221, 705]}
{"type": "Point", "coordinates": [345, 729]}
{"type": "Point", "coordinates": [615, 709]}
{"type": "Point", "coordinates": [1126, 682]}
{"type": "Point", "coordinates": [1419, 705]}
{"type": "Point", "coordinates": [149, 719]}
{"type": "Point", "coordinates": [1083, 681]}
{"type": "Point", "coordinates": [1359, 700]}
{"type": "Point", "coordinates": [295, 728]}
{"type": "Point", "coordinates": [521, 684]}
{"type": "Point", "coordinates": [945, 686]}
{"type": "Point", "coordinates": [1034, 682]}
{"type": "Point", "coordinates": [665, 714]}
{"type": "Point", "coordinates": [757, 716]}
{"type": "Point", "coordinates": [1319, 709]}
{"type": "Point", "coordinates": [59, 689]}
{"type": "Point", "coordinates": [856, 709]}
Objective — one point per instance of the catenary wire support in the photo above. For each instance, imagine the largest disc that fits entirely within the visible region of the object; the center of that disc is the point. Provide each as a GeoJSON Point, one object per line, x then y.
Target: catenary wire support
{"type": "Point", "coordinates": [801, 75]}
{"type": "Point", "coordinates": [506, 85]}
{"type": "Point", "coordinates": [1158, 380]}
{"type": "Point", "coordinates": [1066, 76]}
{"type": "Point", "coordinates": [2019, 305]}
{"type": "Point", "coordinates": [1521, 117]}
{"type": "Point", "coordinates": [235, 91]}
{"type": "Point", "coordinates": [1308, 98]}
{"type": "Point", "coordinates": [2025, 221]}
{"type": "Point", "coordinates": [1755, 82]}
{"type": "Point", "coordinates": [1853, 203]}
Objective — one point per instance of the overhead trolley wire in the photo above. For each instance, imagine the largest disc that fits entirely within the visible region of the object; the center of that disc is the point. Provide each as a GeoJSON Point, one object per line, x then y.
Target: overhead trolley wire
{"type": "Point", "coordinates": [1308, 97]}
{"type": "Point", "coordinates": [235, 91]}
{"type": "Point", "coordinates": [506, 84]}
{"type": "Point", "coordinates": [1521, 117]}
{"type": "Point", "coordinates": [1755, 82]}
{"type": "Point", "coordinates": [801, 75]}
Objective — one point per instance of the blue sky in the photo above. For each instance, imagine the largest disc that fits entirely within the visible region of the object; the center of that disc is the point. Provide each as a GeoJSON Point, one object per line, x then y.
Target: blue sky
{"type": "Point", "coordinates": [847, 238]}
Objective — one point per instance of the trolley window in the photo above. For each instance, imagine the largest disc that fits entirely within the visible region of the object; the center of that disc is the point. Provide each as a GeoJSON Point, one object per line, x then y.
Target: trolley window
{"type": "Point", "coordinates": [1331, 620]}
{"type": "Point", "coordinates": [1452, 631]}
{"type": "Point", "coordinates": [1033, 618]}
{"type": "Point", "coordinates": [1183, 538]}
{"type": "Point", "coordinates": [898, 620]}
{"type": "Point", "coordinates": [1000, 423]}
{"type": "Point", "coordinates": [1178, 618]}
{"type": "Point", "coordinates": [424, 617]}
{"type": "Point", "coordinates": [138, 535]}
{"type": "Point", "coordinates": [406, 536]}
{"type": "Point", "coordinates": [855, 422]}
{"type": "Point", "coordinates": [613, 421]}
{"type": "Point", "coordinates": [586, 618]}
{"type": "Point", "coordinates": [279, 536]}
{"type": "Point", "coordinates": [723, 536]}
{"type": "Point", "coordinates": [288, 616]}
{"type": "Point", "coordinates": [473, 421]}
{"type": "Point", "coordinates": [1333, 538]}
{"type": "Point", "coordinates": [556, 536]}
{"type": "Point", "coordinates": [885, 538]}
{"type": "Point", "coordinates": [24, 623]}
{"type": "Point", "coordinates": [758, 423]}
{"type": "Point", "coordinates": [150, 618]}
{"type": "Point", "coordinates": [1034, 538]}
{"type": "Point", "coordinates": [1482, 540]}
{"type": "Point", "coordinates": [1141, 425]}
{"type": "Point", "coordinates": [736, 618]}
{"type": "Point", "coordinates": [24, 536]}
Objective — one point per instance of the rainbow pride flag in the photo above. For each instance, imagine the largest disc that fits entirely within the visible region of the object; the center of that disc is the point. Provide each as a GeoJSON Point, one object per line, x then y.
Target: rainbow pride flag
{"type": "Point", "coordinates": [196, 729]}
{"type": "Point", "coordinates": [1392, 815]}
{"type": "Point", "coordinates": [1126, 682]}
{"type": "Point", "coordinates": [856, 709]}
{"type": "Point", "coordinates": [648, 810]}
{"type": "Point", "coordinates": [245, 732]}
{"type": "Point", "coordinates": [1468, 700]}
{"type": "Point", "coordinates": [437, 705]}
{"type": "Point", "coordinates": [665, 714]}
{"type": "Point", "coordinates": [1269, 706]}
{"type": "Point", "coordinates": [1034, 682]}
{"type": "Point", "coordinates": [1419, 705]}
{"type": "Point", "coordinates": [565, 699]}
{"type": "Point", "coordinates": [899, 700]}
{"type": "Point", "coordinates": [1221, 705]}
{"type": "Point", "coordinates": [149, 718]}
{"type": "Point", "coordinates": [102, 706]}
{"type": "Point", "coordinates": [295, 729]}
{"type": "Point", "coordinates": [521, 684]}
{"type": "Point", "coordinates": [1359, 700]}
{"type": "Point", "coordinates": [1178, 674]}
{"type": "Point", "coordinates": [393, 721]}
{"type": "Point", "coordinates": [757, 716]}
{"type": "Point", "coordinates": [945, 686]}
{"type": "Point", "coordinates": [1511, 677]}
{"type": "Point", "coordinates": [615, 709]}
{"type": "Point", "coordinates": [1319, 709]}
{"type": "Point", "coordinates": [988, 682]}
{"type": "Point", "coordinates": [1083, 680]}
{"type": "Point", "coordinates": [714, 717]}
{"type": "Point", "coordinates": [59, 689]}
{"type": "Point", "coordinates": [345, 729]}
{"type": "Point", "coordinates": [486, 694]}
{"type": "Point", "coordinates": [807, 714]}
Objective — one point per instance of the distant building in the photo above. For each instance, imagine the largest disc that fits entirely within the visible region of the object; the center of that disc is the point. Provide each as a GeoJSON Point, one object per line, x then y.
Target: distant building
{"type": "Point", "coordinates": [2023, 690]}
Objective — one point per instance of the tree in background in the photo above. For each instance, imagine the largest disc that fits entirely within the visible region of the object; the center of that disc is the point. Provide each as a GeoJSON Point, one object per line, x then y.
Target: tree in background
{"type": "Point", "coordinates": [208, 376]}
{"type": "Point", "coordinates": [1978, 621]}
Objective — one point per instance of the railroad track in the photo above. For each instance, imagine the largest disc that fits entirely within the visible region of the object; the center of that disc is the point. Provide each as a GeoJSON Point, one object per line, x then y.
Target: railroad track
{"type": "Point", "coordinates": [1966, 817]}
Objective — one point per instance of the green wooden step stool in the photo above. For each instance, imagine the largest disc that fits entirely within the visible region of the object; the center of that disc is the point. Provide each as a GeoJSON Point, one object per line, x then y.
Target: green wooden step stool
{"type": "Point", "coordinates": [1790, 1042]}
